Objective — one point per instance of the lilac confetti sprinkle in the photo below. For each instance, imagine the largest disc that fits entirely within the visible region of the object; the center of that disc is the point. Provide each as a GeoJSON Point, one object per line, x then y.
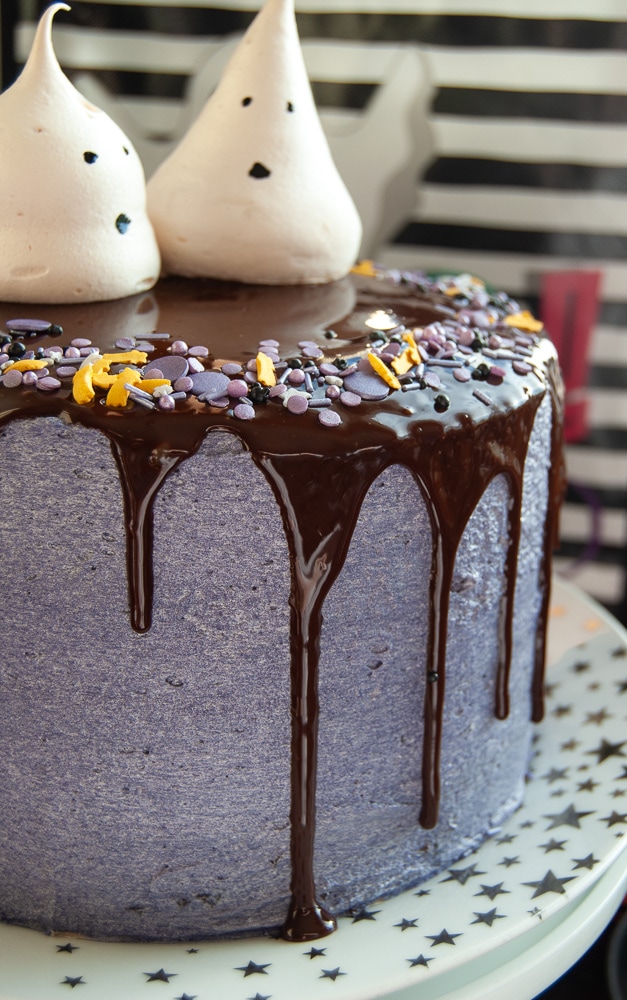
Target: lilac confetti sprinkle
{"type": "Point", "coordinates": [277, 390]}
{"type": "Point", "coordinates": [333, 392]}
{"type": "Point", "coordinates": [326, 368]}
{"type": "Point", "coordinates": [166, 403]}
{"type": "Point", "coordinates": [433, 381]}
{"type": "Point", "coordinates": [295, 376]}
{"type": "Point", "coordinates": [72, 352]}
{"type": "Point", "coordinates": [173, 366]}
{"type": "Point", "coordinates": [297, 403]}
{"type": "Point", "coordinates": [198, 351]}
{"type": "Point", "coordinates": [153, 373]}
{"type": "Point", "coordinates": [28, 325]}
{"type": "Point", "coordinates": [366, 385]}
{"type": "Point", "coordinates": [12, 378]}
{"type": "Point", "coordinates": [210, 384]}
{"type": "Point", "coordinates": [319, 403]}
{"type": "Point", "coordinates": [80, 342]}
{"type": "Point", "coordinates": [29, 378]}
{"type": "Point", "coordinates": [520, 367]}
{"type": "Point", "coordinates": [195, 366]}
{"type": "Point", "coordinates": [461, 374]}
{"type": "Point", "coordinates": [329, 418]}
{"type": "Point", "coordinates": [243, 411]}
{"type": "Point", "coordinates": [48, 384]}
{"type": "Point", "coordinates": [231, 368]}
{"type": "Point", "coordinates": [481, 396]}
{"type": "Point", "coordinates": [183, 384]}
{"type": "Point", "coordinates": [350, 399]}
{"type": "Point", "coordinates": [237, 388]}
{"type": "Point", "coordinates": [125, 343]}
{"type": "Point", "coordinates": [179, 347]}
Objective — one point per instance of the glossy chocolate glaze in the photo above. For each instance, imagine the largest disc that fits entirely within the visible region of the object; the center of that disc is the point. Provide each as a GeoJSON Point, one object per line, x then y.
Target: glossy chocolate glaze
{"type": "Point", "coordinates": [321, 475]}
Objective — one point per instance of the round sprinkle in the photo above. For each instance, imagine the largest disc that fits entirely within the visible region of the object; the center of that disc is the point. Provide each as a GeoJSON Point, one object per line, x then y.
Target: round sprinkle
{"type": "Point", "coordinates": [521, 367]}
{"type": "Point", "coordinates": [243, 411]}
{"type": "Point", "coordinates": [441, 403]}
{"type": "Point", "coordinates": [125, 343]}
{"type": "Point", "coordinates": [48, 383]}
{"type": "Point", "coordinates": [461, 374]}
{"type": "Point", "coordinates": [80, 342]}
{"type": "Point", "coordinates": [209, 384]}
{"type": "Point", "coordinates": [367, 385]}
{"type": "Point", "coordinates": [172, 366]}
{"type": "Point", "coordinates": [198, 351]}
{"type": "Point", "coordinates": [166, 403]}
{"type": "Point", "coordinates": [326, 368]}
{"type": "Point", "coordinates": [195, 365]}
{"type": "Point", "coordinates": [296, 376]}
{"type": "Point", "coordinates": [183, 384]}
{"type": "Point", "coordinates": [350, 399]}
{"type": "Point", "coordinates": [329, 418]}
{"type": "Point", "coordinates": [277, 390]}
{"type": "Point", "coordinates": [179, 347]}
{"type": "Point", "coordinates": [29, 378]}
{"type": "Point", "coordinates": [12, 378]}
{"type": "Point", "coordinates": [65, 371]}
{"type": "Point", "coordinates": [153, 373]}
{"type": "Point", "coordinates": [28, 325]}
{"type": "Point", "coordinates": [237, 388]}
{"type": "Point", "coordinates": [297, 403]}
{"type": "Point", "coordinates": [72, 352]}
{"type": "Point", "coordinates": [231, 368]}
{"type": "Point", "coordinates": [333, 392]}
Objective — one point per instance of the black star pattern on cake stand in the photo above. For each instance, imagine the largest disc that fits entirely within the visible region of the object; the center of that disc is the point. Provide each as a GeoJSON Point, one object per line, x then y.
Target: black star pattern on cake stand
{"type": "Point", "coordinates": [492, 891]}
{"type": "Point", "coordinates": [508, 862]}
{"type": "Point", "coordinates": [605, 750]}
{"type": "Point", "coordinates": [252, 969]}
{"type": "Point", "coordinates": [555, 774]}
{"type": "Point", "coordinates": [332, 974]}
{"type": "Point", "coordinates": [186, 996]}
{"type": "Point", "coordinates": [489, 917]}
{"type": "Point", "coordinates": [161, 976]}
{"type": "Point", "coordinates": [549, 883]}
{"type": "Point", "coordinates": [588, 862]}
{"type": "Point", "coordinates": [364, 915]}
{"type": "Point", "coordinates": [315, 952]}
{"type": "Point", "coordinates": [405, 925]}
{"type": "Point", "coordinates": [73, 981]}
{"type": "Point", "coordinates": [553, 845]}
{"type": "Point", "coordinates": [569, 817]}
{"type": "Point", "coordinates": [69, 948]}
{"type": "Point", "coordinates": [443, 937]}
{"type": "Point", "coordinates": [258, 996]}
{"type": "Point", "coordinates": [462, 875]}
{"type": "Point", "coordinates": [615, 818]}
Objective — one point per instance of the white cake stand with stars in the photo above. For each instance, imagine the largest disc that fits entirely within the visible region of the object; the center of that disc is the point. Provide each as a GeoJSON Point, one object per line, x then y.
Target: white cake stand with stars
{"type": "Point", "coordinates": [505, 921]}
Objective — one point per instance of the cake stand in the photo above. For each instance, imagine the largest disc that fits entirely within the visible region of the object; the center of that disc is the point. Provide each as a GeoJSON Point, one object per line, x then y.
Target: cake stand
{"type": "Point", "coordinates": [505, 921]}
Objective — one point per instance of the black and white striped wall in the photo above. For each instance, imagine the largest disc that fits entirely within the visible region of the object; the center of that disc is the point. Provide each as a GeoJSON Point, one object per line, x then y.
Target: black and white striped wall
{"type": "Point", "coordinates": [493, 133]}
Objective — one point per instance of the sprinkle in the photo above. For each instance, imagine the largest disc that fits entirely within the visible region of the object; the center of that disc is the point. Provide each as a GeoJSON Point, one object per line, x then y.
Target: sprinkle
{"type": "Point", "coordinates": [326, 368]}
{"type": "Point", "coordinates": [521, 367]}
{"type": "Point", "coordinates": [153, 373]}
{"type": "Point", "coordinates": [83, 386]}
{"type": "Point", "coordinates": [461, 374]}
{"type": "Point", "coordinates": [65, 371]}
{"type": "Point", "coordinates": [163, 390]}
{"type": "Point", "coordinates": [265, 369]}
{"type": "Point", "coordinates": [319, 403]}
{"type": "Point", "coordinates": [12, 378]}
{"type": "Point", "coordinates": [28, 325]}
{"type": "Point", "coordinates": [118, 393]}
{"type": "Point", "coordinates": [179, 347]}
{"type": "Point", "coordinates": [48, 383]}
{"type": "Point", "coordinates": [198, 351]}
{"type": "Point", "coordinates": [231, 368]}
{"type": "Point", "coordinates": [237, 388]}
{"type": "Point", "coordinates": [156, 336]}
{"type": "Point", "coordinates": [524, 321]}
{"type": "Point", "coordinates": [80, 342]}
{"type": "Point", "coordinates": [295, 376]}
{"type": "Point", "coordinates": [277, 390]}
{"type": "Point", "coordinates": [125, 343]}
{"type": "Point", "coordinates": [195, 366]}
{"type": "Point", "coordinates": [243, 411]}
{"type": "Point", "coordinates": [26, 365]}
{"type": "Point", "coordinates": [481, 396]}
{"type": "Point", "coordinates": [350, 399]}
{"type": "Point", "coordinates": [365, 267]}
{"type": "Point", "coordinates": [329, 418]}
{"type": "Point", "coordinates": [29, 378]}
{"type": "Point", "coordinates": [381, 369]}
{"type": "Point", "coordinates": [166, 403]}
{"type": "Point", "coordinates": [333, 392]}
{"type": "Point", "coordinates": [297, 402]}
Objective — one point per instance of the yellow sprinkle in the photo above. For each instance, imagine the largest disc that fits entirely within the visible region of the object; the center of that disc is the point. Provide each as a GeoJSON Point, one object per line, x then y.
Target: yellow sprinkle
{"type": "Point", "coordinates": [265, 370]}
{"type": "Point", "coordinates": [126, 358]}
{"type": "Point", "coordinates": [82, 385]}
{"type": "Point", "coordinates": [452, 291]}
{"type": "Point", "coordinates": [150, 384]}
{"type": "Point", "coordinates": [382, 369]}
{"type": "Point", "coordinates": [403, 362]}
{"type": "Point", "coordinates": [26, 366]}
{"type": "Point", "coordinates": [101, 378]}
{"type": "Point", "coordinates": [412, 347]}
{"type": "Point", "coordinates": [524, 321]}
{"type": "Point", "coordinates": [118, 395]}
{"type": "Point", "coordinates": [365, 267]}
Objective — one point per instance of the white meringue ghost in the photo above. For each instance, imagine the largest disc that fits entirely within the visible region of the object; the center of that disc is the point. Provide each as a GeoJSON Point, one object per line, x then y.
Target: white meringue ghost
{"type": "Point", "coordinates": [73, 221]}
{"type": "Point", "coordinates": [251, 193]}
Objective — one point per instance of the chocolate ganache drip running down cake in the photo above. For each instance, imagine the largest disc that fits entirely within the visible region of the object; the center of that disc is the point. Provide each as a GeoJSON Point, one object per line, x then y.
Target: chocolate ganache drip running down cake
{"type": "Point", "coordinates": [281, 625]}
{"type": "Point", "coordinates": [276, 556]}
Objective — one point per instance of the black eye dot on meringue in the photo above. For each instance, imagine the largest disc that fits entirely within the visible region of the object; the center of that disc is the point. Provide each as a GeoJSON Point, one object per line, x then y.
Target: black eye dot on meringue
{"type": "Point", "coordinates": [90, 157]}
{"type": "Point", "coordinates": [246, 101]}
{"type": "Point", "coordinates": [122, 223]}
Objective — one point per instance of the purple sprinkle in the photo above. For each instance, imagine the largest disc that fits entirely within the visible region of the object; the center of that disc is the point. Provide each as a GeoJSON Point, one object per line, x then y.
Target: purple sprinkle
{"type": "Point", "coordinates": [136, 391]}
{"type": "Point", "coordinates": [251, 366]}
{"type": "Point", "coordinates": [319, 403]}
{"type": "Point", "coordinates": [329, 418]}
{"type": "Point", "coordinates": [333, 392]}
{"type": "Point", "coordinates": [350, 399]}
{"type": "Point", "coordinates": [220, 401]}
{"type": "Point", "coordinates": [295, 376]}
{"type": "Point", "coordinates": [231, 368]}
{"type": "Point", "coordinates": [366, 385]}
{"type": "Point", "coordinates": [125, 343]}
{"type": "Point", "coordinates": [198, 351]}
{"type": "Point", "coordinates": [183, 384]}
{"type": "Point", "coordinates": [307, 343]}
{"type": "Point", "coordinates": [461, 374]}
{"type": "Point", "coordinates": [12, 378]}
{"type": "Point", "coordinates": [496, 375]}
{"type": "Point", "coordinates": [237, 388]}
{"type": "Point", "coordinates": [72, 352]}
{"type": "Point", "coordinates": [251, 377]}
{"type": "Point", "coordinates": [142, 345]}
{"type": "Point", "coordinates": [166, 403]}
{"type": "Point", "coordinates": [156, 336]}
{"type": "Point", "coordinates": [42, 373]}
{"type": "Point", "coordinates": [326, 368]}
{"type": "Point", "coordinates": [277, 390]}
{"type": "Point", "coordinates": [86, 351]}
{"type": "Point", "coordinates": [481, 396]}
{"type": "Point", "coordinates": [80, 342]}
{"type": "Point", "coordinates": [350, 369]}
{"type": "Point", "coordinates": [179, 347]}
{"type": "Point", "coordinates": [173, 366]}
{"type": "Point", "coordinates": [433, 381]}
{"type": "Point", "coordinates": [313, 352]}
{"type": "Point", "coordinates": [153, 373]}
{"type": "Point", "coordinates": [445, 363]}
{"type": "Point", "coordinates": [309, 386]}
{"type": "Point", "coordinates": [48, 384]}
{"type": "Point", "coordinates": [195, 366]}
{"type": "Point", "coordinates": [297, 403]}
{"type": "Point", "coordinates": [465, 336]}
{"type": "Point", "coordinates": [28, 325]}
{"type": "Point", "coordinates": [29, 378]}
{"type": "Point", "coordinates": [269, 343]}
{"type": "Point", "coordinates": [64, 371]}
{"type": "Point", "coordinates": [243, 411]}
{"type": "Point", "coordinates": [176, 395]}
{"type": "Point", "coordinates": [209, 383]}
{"type": "Point", "coordinates": [520, 367]}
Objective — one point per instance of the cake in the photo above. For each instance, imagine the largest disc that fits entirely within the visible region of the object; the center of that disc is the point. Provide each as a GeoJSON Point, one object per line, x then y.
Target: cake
{"type": "Point", "coordinates": [277, 568]}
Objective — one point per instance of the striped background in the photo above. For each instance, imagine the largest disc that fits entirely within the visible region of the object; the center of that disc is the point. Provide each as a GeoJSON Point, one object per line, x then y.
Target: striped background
{"type": "Point", "coordinates": [493, 131]}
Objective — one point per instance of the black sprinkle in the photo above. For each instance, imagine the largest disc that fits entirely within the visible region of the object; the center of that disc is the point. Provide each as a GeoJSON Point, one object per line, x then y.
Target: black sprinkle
{"type": "Point", "coordinates": [441, 403]}
{"type": "Point", "coordinates": [55, 330]}
{"type": "Point", "coordinates": [481, 372]}
{"type": "Point", "coordinates": [259, 393]}
{"type": "Point", "coordinates": [432, 676]}
{"type": "Point", "coordinates": [122, 223]}
{"type": "Point", "coordinates": [90, 157]}
{"type": "Point", "coordinates": [330, 334]}
{"type": "Point", "coordinates": [16, 349]}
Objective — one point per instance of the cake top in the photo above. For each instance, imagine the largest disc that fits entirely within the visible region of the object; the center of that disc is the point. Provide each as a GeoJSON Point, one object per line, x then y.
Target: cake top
{"type": "Point", "coordinates": [252, 193]}
{"type": "Point", "coordinates": [72, 192]}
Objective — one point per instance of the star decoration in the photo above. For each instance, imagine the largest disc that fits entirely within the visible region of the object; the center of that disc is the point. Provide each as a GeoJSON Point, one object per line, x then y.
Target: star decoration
{"type": "Point", "coordinates": [549, 883]}
{"type": "Point", "coordinates": [581, 666]}
{"type": "Point", "coordinates": [508, 862]}
{"type": "Point", "coordinates": [492, 891]}
{"type": "Point", "coordinates": [527, 824]}
{"type": "Point", "coordinates": [73, 981]}
{"type": "Point", "coordinates": [461, 875]}
{"type": "Point", "coordinates": [549, 690]}
{"type": "Point", "coordinates": [553, 845]}
{"type": "Point", "coordinates": [186, 996]}
{"type": "Point", "coordinates": [570, 817]}
{"type": "Point", "coordinates": [488, 918]}
{"type": "Point", "coordinates": [588, 862]}
{"type": "Point", "coordinates": [594, 686]}
{"type": "Point", "coordinates": [192, 951]}
{"type": "Point", "coordinates": [406, 924]}
{"type": "Point", "coordinates": [507, 838]}
{"type": "Point", "coordinates": [535, 913]}
{"type": "Point", "coordinates": [598, 718]}
{"type": "Point", "coordinates": [618, 793]}
{"type": "Point", "coordinates": [587, 786]}
{"type": "Point", "coordinates": [332, 974]}
{"type": "Point", "coordinates": [559, 794]}
{"type": "Point", "coordinates": [69, 948]}
{"type": "Point", "coordinates": [315, 952]}
{"type": "Point", "coordinates": [421, 960]}
{"type": "Point", "coordinates": [443, 937]}
{"type": "Point", "coordinates": [365, 915]}
{"type": "Point", "coordinates": [623, 776]}
{"type": "Point", "coordinates": [555, 774]}
{"type": "Point", "coordinates": [258, 996]}
{"type": "Point", "coordinates": [252, 968]}
{"type": "Point", "coordinates": [571, 744]}
{"type": "Point", "coordinates": [159, 977]}
{"type": "Point", "coordinates": [619, 651]}
{"type": "Point", "coordinates": [606, 750]}
{"type": "Point", "coordinates": [427, 892]}
{"type": "Point", "coordinates": [561, 710]}
{"type": "Point", "coordinates": [615, 818]}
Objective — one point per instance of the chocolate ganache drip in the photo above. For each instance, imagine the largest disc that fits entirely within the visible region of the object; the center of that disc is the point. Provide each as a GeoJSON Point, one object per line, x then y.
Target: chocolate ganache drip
{"type": "Point", "coordinates": [456, 412]}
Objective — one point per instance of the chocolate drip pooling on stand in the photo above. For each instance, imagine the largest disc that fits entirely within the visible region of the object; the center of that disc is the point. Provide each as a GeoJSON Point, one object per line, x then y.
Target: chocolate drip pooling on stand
{"type": "Point", "coordinates": [320, 478]}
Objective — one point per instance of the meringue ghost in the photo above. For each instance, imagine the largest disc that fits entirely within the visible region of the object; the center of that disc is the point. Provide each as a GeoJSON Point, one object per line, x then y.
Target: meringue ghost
{"type": "Point", "coordinates": [251, 193]}
{"type": "Point", "coordinates": [73, 220]}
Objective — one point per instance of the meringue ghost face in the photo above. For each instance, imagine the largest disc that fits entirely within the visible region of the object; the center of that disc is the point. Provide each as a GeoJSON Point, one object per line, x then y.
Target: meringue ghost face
{"type": "Point", "coordinates": [252, 194]}
{"type": "Point", "coordinates": [73, 221]}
